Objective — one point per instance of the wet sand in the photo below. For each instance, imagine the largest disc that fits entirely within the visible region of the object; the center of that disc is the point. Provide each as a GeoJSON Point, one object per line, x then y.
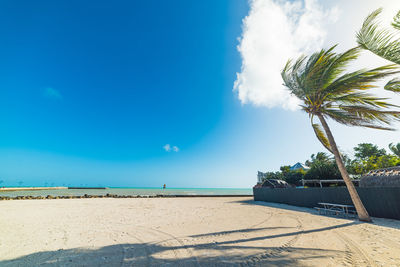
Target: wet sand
{"type": "Point", "coordinates": [204, 231]}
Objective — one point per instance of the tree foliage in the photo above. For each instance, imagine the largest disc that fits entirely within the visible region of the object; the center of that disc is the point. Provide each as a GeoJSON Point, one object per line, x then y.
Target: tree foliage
{"type": "Point", "coordinates": [395, 148]}
{"type": "Point", "coordinates": [361, 167]}
{"type": "Point", "coordinates": [323, 170]}
{"type": "Point", "coordinates": [370, 157]}
{"type": "Point", "coordinates": [322, 167]}
{"type": "Point", "coordinates": [366, 150]}
{"type": "Point", "coordinates": [294, 177]}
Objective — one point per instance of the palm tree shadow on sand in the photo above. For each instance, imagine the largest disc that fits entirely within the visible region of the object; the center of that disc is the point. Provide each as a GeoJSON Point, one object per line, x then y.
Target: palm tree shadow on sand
{"type": "Point", "coordinates": [390, 223]}
{"type": "Point", "coordinates": [226, 253]}
{"type": "Point", "coordinates": [146, 255]}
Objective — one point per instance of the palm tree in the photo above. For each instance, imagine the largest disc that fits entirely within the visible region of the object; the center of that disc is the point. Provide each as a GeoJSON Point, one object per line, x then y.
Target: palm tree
{"type": "Point", "coordinates": [325, 91]}
{"type": "Point", "coordinates": [382, 42]}
{"type": "Point", "coordinates": [319, 157]}
{"type": "Point", "coordinates": [395, 149]}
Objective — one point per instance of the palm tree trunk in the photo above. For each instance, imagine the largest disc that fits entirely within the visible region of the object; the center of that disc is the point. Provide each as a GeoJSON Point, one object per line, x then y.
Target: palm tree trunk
{"type": "Point", "coordinates": [361, 211]}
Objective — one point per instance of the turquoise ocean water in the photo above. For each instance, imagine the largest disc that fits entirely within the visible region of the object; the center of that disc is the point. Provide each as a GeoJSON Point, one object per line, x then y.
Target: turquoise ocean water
{"type": "Point", "coordinates": [132, 191]}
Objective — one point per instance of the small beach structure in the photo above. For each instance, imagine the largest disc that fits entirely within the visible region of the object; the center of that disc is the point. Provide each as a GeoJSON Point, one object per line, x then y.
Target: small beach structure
{"type": "Point", "coordinates": [388, 177]}
{"type": "Point", "coordinates": [275, 183]}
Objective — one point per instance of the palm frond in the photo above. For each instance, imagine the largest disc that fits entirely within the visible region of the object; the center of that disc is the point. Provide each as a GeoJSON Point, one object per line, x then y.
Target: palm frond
{"type": "Point", "coordinates": [291, 79]}
{"type": "Point", "coordinates": [338, 65]}
{"type": "Point", "coordinates": [362, 116]}
{"type": "Point", "coordinates": [321, 136]}
{"type": "Point", "coordinates": [396, 21]}
{"type": "Point", "coordinates": [361, 79]}
{"type": "Point", "coordinates": [371, 115]}
{"type": "Point", "coordinates": [393, 85]}
{"type": "Point", "coordinates": [358, 98]}
{"type": "Point", "coordinates": [353, 121]}
{"type": "Point", "coordinates": [379, 41]}
{"type": "Point", "coordinates": [376, 127]}
{"type": "Point", "coordinates": [316, 66]}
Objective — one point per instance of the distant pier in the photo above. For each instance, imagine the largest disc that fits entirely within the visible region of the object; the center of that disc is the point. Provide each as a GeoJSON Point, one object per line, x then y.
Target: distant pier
{"type": "Point", "coordinates": [4, 189]}
{"type": "Point", "coordinates": [31, 188]}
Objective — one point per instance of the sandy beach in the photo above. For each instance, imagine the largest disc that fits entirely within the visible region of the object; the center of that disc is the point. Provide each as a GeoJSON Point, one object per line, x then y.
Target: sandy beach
{"type": "Point", "coordinates": [187, 232]}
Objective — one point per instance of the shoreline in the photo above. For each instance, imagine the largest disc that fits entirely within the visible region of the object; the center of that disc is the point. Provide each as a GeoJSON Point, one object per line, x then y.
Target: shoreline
{"type": "Point", "coordinates": [114, 196]}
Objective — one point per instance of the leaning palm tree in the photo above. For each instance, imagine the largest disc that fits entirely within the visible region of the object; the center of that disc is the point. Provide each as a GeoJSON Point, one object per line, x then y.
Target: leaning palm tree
{"type": "Point", "coordinates": [325, 91]}
{"type": "Point", "coordinates": [382, 42]}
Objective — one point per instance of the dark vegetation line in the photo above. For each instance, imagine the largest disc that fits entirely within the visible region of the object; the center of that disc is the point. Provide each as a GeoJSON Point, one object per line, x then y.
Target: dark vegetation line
{"type": "Point", "coordinates": [367, 157]}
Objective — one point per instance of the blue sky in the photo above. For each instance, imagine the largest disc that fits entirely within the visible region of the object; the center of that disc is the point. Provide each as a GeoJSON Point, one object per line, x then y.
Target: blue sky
{"type": "Point", "coordinates": [92, 92]}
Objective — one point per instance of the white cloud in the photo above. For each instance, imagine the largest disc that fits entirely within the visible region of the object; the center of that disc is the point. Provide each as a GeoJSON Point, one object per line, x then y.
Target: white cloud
{"type": "Point", "coordinates": [167, 147]}
{"type": "Point", "coordinates": [170, 148]}
{"type": "Point", "coordinates": [52, 93]}
{"type": "Point", "coordinates": [273, 32]}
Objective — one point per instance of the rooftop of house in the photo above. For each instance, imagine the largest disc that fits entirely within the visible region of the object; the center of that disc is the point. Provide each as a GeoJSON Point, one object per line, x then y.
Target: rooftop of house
{"type": "Point", "coordinates": [298, 166]}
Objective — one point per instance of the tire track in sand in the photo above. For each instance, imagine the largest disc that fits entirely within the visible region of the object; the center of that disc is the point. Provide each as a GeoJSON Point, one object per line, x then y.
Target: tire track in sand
{"type": "Point", "coordinates": [214, 245]}
{"type": "Point", "coordinates": [354, 255]}
{"type": "Point", "coordinates": [224, 233]}
{"type": "Point", "coordinates": [178, 243]}
{"type": "Point", "coordinates": [139, 251]}
{"type": "Point", "coordinates": [285, 247]}
{"type": "Point", "coordinates": [163, 242]}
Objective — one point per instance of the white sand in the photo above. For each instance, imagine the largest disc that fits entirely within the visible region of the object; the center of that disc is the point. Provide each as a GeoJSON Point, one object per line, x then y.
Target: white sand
{"type": "Point", "coordinates": [187, 232]}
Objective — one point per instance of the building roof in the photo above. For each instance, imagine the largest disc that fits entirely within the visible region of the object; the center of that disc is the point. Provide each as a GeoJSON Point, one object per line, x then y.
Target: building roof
{"type": "Point", "coordinates": [298, 166]}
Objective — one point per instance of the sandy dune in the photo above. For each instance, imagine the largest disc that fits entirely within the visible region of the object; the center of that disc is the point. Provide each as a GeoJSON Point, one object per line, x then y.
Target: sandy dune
{"type": "Point", "coordinates": [187, 232]}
